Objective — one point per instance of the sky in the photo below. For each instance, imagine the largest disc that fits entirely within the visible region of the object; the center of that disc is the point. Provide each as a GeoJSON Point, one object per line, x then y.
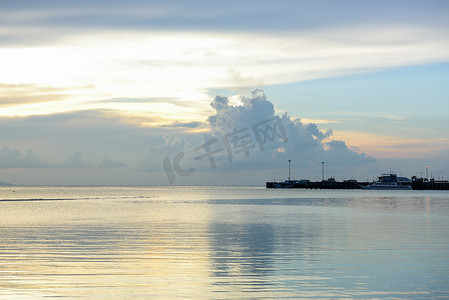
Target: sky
{"type": "Point", "coordinates": [207, 92]}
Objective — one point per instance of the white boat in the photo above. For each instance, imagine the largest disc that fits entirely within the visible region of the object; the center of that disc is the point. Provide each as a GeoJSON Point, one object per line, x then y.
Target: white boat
{"type": "Point", "coordinates": [390, 182]}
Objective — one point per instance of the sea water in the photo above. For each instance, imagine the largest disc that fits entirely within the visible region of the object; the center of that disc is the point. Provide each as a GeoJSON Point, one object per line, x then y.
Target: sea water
{"type": "Point", "coordinates": [222, 243]}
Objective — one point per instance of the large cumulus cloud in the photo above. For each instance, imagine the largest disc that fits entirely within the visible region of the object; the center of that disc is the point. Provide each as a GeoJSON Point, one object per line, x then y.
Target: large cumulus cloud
{"type": "Point", "coordinates": [304, 142]}
{"type": "Point", "coordinates": [251, 136]}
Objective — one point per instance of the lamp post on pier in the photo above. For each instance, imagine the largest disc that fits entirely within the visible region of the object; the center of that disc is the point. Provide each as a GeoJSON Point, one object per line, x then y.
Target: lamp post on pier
{"type": "Point", "coordinates": [322, 170]}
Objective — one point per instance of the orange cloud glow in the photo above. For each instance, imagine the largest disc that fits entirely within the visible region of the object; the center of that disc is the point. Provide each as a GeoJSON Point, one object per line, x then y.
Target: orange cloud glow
{"type": "Point", "coordinates": [385, 146]}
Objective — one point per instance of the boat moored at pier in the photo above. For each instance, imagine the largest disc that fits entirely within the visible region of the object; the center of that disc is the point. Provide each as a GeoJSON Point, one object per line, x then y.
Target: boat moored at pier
{"type": "Point", "coordinates": [390, 182]}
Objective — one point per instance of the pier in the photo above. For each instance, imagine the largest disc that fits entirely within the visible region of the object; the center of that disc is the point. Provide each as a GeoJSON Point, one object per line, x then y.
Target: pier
{"type": "Point", "coordinates": [331, 183]}
{"type": "Point", "coordinates": [386, 182]}
{"type": "Point", "coordinates": [429, 184]}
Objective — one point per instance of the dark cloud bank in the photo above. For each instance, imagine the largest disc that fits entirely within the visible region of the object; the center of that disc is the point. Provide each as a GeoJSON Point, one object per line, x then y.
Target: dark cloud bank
{"type": "Point", "coordinates": [15, 159]}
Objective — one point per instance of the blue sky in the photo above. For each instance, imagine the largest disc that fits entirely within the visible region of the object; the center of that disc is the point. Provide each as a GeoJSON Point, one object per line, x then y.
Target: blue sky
{"type": "Point", "coordinates": [106, 92]}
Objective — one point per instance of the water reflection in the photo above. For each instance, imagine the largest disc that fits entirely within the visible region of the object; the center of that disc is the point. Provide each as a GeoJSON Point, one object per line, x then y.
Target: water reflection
{"type": "Point", "coordinates": [242, 250]}
{"type": "Point", "coordinates": [221, 246]}
{"type": "Point", "coordinates": [271, 251]}
{"type": "Point", "coordinates": [103, 249]}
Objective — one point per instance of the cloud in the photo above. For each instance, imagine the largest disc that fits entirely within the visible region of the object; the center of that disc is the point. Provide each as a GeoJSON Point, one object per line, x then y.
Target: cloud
{"type": "Point", "coordinates": [90, 131]}
{"type": "Point", "coordinates": [108, 163]}
{"type": "Point", "coordinates": [184, 65]}
{"type": "Point", "coordinates": [304, 143]}
{"type": "Point", "coordinates": [398, 146]}
{"type": "Point", "coordinates": [338, 154]}
{"type": "Point", "coordinates": [232, 15]}
{"type": "Point", "coordinates": [140, 100]}
{"type": "Point", "coordinates": [195, 124]}
{"type": "Point", "coordinates": [176, 56]}
{"type": "Point", "coordinates": [173, 145]}
{"type": "Point", "coordinates": [16, 94]}
{"type": "Point", "coordinates": [250, 136]}
{"type": "Point", "coordinates": [76, 161]}
{"type": "Point", "coordinates": [13, 158]}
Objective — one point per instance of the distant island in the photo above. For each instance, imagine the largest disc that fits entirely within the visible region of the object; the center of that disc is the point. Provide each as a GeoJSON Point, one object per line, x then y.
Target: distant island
{"type": "Point", "coordinates": [5, 183]}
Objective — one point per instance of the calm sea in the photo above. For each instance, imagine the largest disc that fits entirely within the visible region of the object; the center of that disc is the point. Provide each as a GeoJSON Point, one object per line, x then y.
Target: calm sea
{"type": "Point", "coordinates": [222, 243]}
